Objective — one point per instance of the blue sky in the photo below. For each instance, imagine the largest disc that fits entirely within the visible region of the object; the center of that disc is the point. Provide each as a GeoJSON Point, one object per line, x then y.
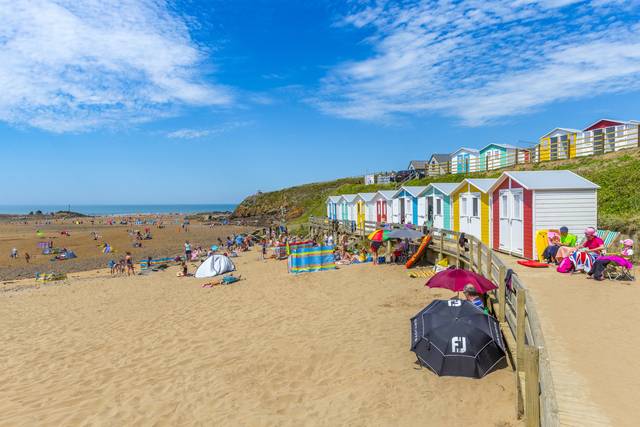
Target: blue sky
{"type": "Point", "coordinates": [141, 101]}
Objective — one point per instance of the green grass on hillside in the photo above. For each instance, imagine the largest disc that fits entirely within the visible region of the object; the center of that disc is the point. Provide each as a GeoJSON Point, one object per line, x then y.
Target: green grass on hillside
{"type": "Point", "coordinates": [618, 175]}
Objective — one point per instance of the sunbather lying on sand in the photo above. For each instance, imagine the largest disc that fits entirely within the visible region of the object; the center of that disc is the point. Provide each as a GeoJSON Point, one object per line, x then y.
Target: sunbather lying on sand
{"type": "Point", "coordinates": [225, 280]}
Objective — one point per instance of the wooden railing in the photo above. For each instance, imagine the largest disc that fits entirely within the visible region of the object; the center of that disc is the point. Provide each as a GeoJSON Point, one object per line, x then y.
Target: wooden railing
{"type": "Point", "coordinates": [513, 306]}
{"type": "Point", "coordinates": [515, 310]}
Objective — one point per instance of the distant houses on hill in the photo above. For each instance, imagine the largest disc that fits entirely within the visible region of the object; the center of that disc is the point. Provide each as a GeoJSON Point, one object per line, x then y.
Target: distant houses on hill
{"type": "Point", "coordinates": [603, 136]}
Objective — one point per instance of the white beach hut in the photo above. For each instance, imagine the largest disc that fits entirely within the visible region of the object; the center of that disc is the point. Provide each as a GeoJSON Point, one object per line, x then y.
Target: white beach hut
{"type": "Point", "coordinates": [384, 206]}
{"type": "Point", "coordinates": [347, 207]}
{"type": "Point", "coordinates": [332, 207]}
{"type": "Point", "coordinates": [465, 160]}
{"type": "Point", "coordinates": [525, 202]}
{"type": "Point", "coordinates": [365, 208]}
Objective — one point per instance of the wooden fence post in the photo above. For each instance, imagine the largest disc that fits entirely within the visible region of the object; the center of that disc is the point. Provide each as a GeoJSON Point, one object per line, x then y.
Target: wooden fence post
{"type": "Point", "coordinates": [457, 253]}
{"type": "Point", "coordinates": [489, 265]}
{"type": "Point", "coordinates": [520, 351]}
{"type": "Point", "coordinates": [520, 332]}
{"type": "Point", "coordinates": [502, 295]}
{"type": "Point", "coordinates": [479, 257]}
{"type": "Point", "coordinates": [532, 386]}
{"type": "Point", "coordinates": [441, 245]}
{"type": "Point", "coordinates": [471, 255]}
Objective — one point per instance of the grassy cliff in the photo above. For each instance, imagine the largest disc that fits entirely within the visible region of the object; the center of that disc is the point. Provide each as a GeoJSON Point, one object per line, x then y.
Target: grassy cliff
{"type": "Point", "coordinates": [618, 175]}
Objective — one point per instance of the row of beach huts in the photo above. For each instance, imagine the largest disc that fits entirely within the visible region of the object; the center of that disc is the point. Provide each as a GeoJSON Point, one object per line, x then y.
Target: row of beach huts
{"type": "Point", "coordinates": [505, 213]}
{"type": "Point", "coordinates": [603, 136]}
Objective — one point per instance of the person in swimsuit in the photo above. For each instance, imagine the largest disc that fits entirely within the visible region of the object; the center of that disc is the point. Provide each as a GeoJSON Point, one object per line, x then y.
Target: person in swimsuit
{"type": "Point", "coordinates": [128, 260]}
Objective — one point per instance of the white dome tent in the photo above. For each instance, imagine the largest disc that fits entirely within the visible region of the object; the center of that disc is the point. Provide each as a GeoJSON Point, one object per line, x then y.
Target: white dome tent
{"type": "Point", "coordinates": [215, 265]}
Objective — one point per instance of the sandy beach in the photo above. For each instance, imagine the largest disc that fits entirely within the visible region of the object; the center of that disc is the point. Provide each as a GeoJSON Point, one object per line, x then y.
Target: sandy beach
{"type": "Point", "coordinates": [329, 348]}
{"type": "Point", "coordinates": [166, 241]}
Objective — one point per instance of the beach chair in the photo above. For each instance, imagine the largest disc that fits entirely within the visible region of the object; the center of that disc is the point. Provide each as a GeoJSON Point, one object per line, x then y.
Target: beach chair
{"type": "Point", "coordinates": [615, 271]}
{"type": "Point", "coordinates": [610, 239]}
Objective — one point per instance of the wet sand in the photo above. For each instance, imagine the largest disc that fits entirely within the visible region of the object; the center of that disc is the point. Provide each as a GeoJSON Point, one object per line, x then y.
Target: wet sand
{"type": "Point", "coordinates": [328, 348]}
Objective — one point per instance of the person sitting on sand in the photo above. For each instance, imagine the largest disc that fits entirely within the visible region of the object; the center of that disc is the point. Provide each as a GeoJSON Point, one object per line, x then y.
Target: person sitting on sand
{"type": "Point", "coordinates": [471, 295]}
{"type": "Point", "coordinates": [560, 246]}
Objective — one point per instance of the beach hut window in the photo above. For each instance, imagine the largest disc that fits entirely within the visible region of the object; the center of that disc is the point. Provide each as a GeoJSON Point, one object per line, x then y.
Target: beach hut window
{"type": "Point", "coordinates": [505, 206]}
{"type": "Point", "coordinates": [476, 206]}
{"type": "Point", "coordinates": [438, 206]}
{"type": "Point", "coordinates": [517, 201]}
{"type": "Point", "coordinates": [463, 205]}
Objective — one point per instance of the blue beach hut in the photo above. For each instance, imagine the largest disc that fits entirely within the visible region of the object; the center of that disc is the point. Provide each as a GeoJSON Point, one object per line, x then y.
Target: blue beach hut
{"type": "Point", "coordinates": [408, 197]}
{"type": "Point", "coordinates": [438, 204]}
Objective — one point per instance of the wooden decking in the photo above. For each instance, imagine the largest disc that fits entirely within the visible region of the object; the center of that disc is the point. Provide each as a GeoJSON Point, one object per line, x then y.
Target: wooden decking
{"type": "Point", "coordinates": [590, 330]}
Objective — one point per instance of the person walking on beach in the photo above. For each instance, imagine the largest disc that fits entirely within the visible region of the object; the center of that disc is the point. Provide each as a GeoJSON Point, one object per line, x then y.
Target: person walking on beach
{"type": "Point", "coordinates": [27, 257]}
{"type": "Point", "coordinates": [264, 249]}
{"type": "Point", "coordinates": [128, 260]}
{"type": "Point", "coordinates": [187, 250]}
{"type": "Point", "coordinates": [14, 253]}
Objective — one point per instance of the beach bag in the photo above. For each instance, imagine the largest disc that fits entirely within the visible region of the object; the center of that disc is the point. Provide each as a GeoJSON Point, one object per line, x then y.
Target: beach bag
{"type": "Point", "coordinates": [565, 266]}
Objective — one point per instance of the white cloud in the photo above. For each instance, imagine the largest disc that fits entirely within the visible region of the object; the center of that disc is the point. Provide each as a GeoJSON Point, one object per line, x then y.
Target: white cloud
{"type": "Point", "coordinates": [201, 133]}
{"type": "Point", "coordinates": [481, 60]}
{"type": "Point", "coordinates": [78, 64]}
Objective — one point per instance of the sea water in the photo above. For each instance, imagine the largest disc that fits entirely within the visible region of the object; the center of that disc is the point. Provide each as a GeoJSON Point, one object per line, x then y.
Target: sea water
{"type": "Point", "coordinates": [118, 209]}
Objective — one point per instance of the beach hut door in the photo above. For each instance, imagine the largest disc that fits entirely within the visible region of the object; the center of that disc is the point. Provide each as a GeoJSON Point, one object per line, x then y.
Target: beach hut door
{"type": "Point", "coordinates": [511, 224]}
{"type": "Point", "coordinates": [474, 215]}
{"type": "Point", "coordinates": [438, 217]}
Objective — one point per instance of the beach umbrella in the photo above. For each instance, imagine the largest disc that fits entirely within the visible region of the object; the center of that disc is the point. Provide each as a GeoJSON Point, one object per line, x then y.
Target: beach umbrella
{"type": "Point", "coordinates": [455, 279]}
{"type": "Point", "coordinates": [455, 338]}
{"type": "Point", "coordinates": [405, 233]}
{"type": "Point", "coordinates": [379, 235]}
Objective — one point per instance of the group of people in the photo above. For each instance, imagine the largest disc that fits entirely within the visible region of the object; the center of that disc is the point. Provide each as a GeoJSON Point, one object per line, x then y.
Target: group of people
{"type": "Point", "coordinates": [14, 255]}
{"type": "Point", "coordinates": [564, 251]}
{"type": "Point", "coordinates": [123, 266]}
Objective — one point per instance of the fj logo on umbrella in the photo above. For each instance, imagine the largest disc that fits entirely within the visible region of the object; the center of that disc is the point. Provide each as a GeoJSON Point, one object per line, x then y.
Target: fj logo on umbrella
{"type": "Point", "coordinates": [454, 303]}
{"type": "Point", "coordinates": [459, 344]}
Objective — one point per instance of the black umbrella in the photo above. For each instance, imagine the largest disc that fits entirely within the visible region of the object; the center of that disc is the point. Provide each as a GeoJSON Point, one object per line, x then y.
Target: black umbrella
{"type": "Point", "coordinates": [455, 338]}
{"type": "Point", "coordinates": [405, 233]}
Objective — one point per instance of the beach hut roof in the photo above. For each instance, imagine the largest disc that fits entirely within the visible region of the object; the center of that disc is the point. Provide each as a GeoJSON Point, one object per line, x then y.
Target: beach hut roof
{"type": "Point", "coordinates": [482, 184]}
{"type": "Point", "coordinates": [439, 158]}
{"type": "Point", "coordinates": [415, 191]}
{"type": "Point", "coordinates": [565, 130]}
{"type": "Point", "coordinates": [609, 122]}
{"type": "Point", "coordinates": [470, 150]}
{"type": "Point", "coordinates": [417, 164]}
{"type": "Point", "coordinates": [444, 187]}
{"type": "Point", "coordinates": [387, 194]}
{"type": "Point", "coordinates": [334, 199]}
{"type": "Point", "coordinates": [349, 197]}
{"type": "Point", "coordinates": [548, 180]}
{"type": "Point", "coordinates": [367, 197]}
{"type": "Point", "coordinates": [493, 144]}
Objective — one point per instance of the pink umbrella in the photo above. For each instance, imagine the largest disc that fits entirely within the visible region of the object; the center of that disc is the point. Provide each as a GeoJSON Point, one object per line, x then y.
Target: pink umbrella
{"type": "Point", "coordinates": [456, 278]}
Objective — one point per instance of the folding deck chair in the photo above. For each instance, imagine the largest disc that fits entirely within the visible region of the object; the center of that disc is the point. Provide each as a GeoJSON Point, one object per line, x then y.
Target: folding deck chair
{"type": "Point", "coordinates": [619, 272]}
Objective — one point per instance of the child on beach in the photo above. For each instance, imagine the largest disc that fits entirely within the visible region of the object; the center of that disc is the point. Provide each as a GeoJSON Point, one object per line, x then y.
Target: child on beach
{"type": "Point", "coordinates": [264, 249]}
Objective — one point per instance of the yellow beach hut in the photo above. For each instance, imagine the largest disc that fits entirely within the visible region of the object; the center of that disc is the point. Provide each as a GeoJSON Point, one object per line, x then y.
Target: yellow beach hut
{"type": "Point", "coordinates": [471, 208]}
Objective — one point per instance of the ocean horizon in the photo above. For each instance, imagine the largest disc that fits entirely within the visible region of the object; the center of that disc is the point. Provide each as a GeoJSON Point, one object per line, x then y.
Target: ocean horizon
{"type": "Point", "coordinates": [122, 209]}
